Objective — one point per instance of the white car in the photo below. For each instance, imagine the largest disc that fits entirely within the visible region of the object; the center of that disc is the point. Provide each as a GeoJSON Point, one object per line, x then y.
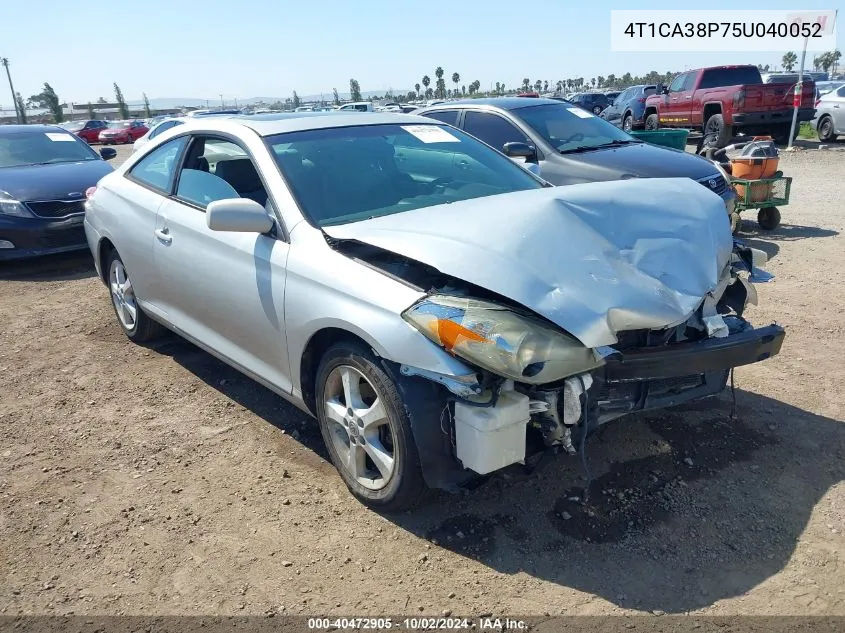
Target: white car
{"type": "Point", "coordinates": [154, 131]}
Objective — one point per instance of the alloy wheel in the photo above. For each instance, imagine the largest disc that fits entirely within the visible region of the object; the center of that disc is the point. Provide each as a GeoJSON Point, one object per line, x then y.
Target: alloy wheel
{"type": "Point", "coordinates": [359, 427]}
{"type": "Point", "coordinates": [123, 296]}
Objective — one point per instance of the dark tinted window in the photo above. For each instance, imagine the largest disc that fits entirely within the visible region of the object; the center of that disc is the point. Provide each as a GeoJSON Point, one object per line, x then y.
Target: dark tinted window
{"type": "Point", "coordinates": [492, 129]}
{"type": "Point", "coordinates": [37, 147]}
{"type": "Point", "coordinates": [158, 167]}
{"type": "Point", "coordinates": [570, 128]}
{"type": "Point", "coordinates": [163, 127]}
{"type": "Point", "coordinates": [446, 116]}
{"type": "Point", "coordinates": [717, 77]}
{"type": "Point", "coordinates": [649, 90]}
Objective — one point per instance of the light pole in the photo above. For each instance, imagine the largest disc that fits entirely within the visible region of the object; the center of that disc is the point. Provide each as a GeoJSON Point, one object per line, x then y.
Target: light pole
{"type": "Point", "coordinates": [222, 104]}
{"type": "Point", "coordinates": [5, 62]}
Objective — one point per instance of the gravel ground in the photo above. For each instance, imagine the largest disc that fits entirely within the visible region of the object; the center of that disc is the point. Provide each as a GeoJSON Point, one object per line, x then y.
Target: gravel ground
{"type": "Point", "coordinates": [160, 481]}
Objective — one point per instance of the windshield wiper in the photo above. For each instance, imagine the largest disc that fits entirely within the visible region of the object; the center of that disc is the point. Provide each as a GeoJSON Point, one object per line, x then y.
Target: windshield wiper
{"type": "Point", "coordinates": [589, 148]}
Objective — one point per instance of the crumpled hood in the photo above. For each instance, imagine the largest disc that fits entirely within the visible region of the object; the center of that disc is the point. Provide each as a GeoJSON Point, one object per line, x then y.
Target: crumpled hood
{"type": "Point", "coordinates": [595, 259]}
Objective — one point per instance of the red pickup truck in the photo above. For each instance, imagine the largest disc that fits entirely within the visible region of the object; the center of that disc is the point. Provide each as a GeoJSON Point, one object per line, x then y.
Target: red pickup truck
{"type": "Point", "coordinates": [727, 100]}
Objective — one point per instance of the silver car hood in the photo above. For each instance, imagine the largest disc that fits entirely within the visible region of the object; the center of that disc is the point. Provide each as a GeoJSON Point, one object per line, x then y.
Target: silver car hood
{"type": "Point", "coordinates": [595, 259]}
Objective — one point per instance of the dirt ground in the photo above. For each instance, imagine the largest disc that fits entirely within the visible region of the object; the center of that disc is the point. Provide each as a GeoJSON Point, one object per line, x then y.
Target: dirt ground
{"type": "Point", "coordinates": [158, 481]}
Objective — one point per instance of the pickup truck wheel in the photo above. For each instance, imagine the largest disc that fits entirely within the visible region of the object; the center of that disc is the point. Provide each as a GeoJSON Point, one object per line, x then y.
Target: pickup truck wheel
{"type": "Point", "coordinates": [825, 129]}
{"type": "Point", "coordinates": [720, 132]}
{"type": "Point", "coordinates": [768, 218]}
{"type": "Point", "coordinates": [628, 122]}
{"type": "Point", "coordinates": [780, 134]}
{"type": "Point", "coordinates": [651, 122]}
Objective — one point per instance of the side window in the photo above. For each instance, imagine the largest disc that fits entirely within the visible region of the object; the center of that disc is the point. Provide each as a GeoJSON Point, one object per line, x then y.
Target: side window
{"type": "Point", "coordinates": [163, 127]}
{"type": "Point", "coordinates": [689, 82]}
{"type": "Point", "coordinates": [492, 129]}
{"type": "Point", "coordinates": [841, 92]}
{"type": "Point", "coordinates": [222, 170]}
{"type": "Point", "coordinates": [677, 83]}
{"type": "Point", "coordinates": [158, 168]}
{"type": "Point", "coordinates": [446, 116]}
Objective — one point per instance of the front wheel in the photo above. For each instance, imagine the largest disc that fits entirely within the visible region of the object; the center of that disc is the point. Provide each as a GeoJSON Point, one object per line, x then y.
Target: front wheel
{"type": "Point", "coordinates": [597, 110]}
{"type": "Point", "coordinates": [366, 429]}
{"type": "Point", "coordinates": [651, 122]}
{"type": "Point", "coordinates": [628, 122]}
{"type": "Point", "coordinates": [130, 316]}
{"type": "Point", "coordinates": [768, 218]}
{"type": "Point", "coordinates": [825, 130]}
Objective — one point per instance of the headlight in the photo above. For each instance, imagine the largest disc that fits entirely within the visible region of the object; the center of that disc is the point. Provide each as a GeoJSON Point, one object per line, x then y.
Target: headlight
{"type": "Point", "coordinates": [10, 206]}
{"type": "Point", "coordinates": [499, 340]}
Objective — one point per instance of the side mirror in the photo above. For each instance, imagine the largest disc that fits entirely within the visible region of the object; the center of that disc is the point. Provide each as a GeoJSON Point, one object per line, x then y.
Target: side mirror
{"type": "Point", "coordinates": [240, 215]}
{"type": "Point", "coordinates": [519, 150]}
{"type": "Point", "coordinates": [107, 153]}
{"type": "Point", "coordinates": [664, 90]}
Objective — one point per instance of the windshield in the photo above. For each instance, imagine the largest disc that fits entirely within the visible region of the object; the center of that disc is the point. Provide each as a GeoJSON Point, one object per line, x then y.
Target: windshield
{"type": "Point", "coordinates": [341, 175]}
{"type": "Point", "coordinates": [570, 128]}
{"type": "Point", "coordinates": [115, 125]}
{"type": "Point", "coordinates": [73, 126]}
{"type": "Point", "coordinates": [42, 148]}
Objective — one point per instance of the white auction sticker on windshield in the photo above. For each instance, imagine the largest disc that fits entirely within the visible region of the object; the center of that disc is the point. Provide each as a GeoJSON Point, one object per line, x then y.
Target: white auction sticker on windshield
{"type": "Point", "coordinates": [581, 113]}
{"type": "Point", "coordinates": [431, 133]}
{"type": "Point", "coordinates": [59, 136]}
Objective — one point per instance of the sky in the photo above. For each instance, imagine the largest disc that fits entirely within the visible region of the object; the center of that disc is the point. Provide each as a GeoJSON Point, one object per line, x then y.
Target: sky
{"type": "Point", "coordinates": [255, 48]}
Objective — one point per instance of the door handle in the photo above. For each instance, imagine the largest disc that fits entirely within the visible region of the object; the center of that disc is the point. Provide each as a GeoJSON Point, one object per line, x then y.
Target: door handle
{"type": "Point", "coordinates": [688, 97]}
{"type": "Point", "coordinates": [164, 236]}
{"type": "Point", "coordinates": [835, 105]}
{"type": "Point", "coordinates": [463, 164]}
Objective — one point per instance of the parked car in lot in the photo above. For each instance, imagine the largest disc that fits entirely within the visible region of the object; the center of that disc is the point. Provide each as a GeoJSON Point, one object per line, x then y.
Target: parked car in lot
{"type": "Point", "coordinates": [595, 102]}
{"type": "Point", "coordinates": [155, 130]}
{"type": "Point", "coordinates": [44, 173]}
{"type": "Point", "coordinates": [88, 131]}
{"type": "Point", "coordinates": [830, 115]}
{"type": "Point", "coordinates": [572, 145]}
{"type": "Point", "coordinates": [358, 106]}
{"type": "Point", "coordinates": [123, 132]}
{"type": "Point", "coordinates": [628, 109]}
{"type": "Point", "coordinates": [336, 260]}
{"type": "Point", "coordinates": [723, 101]}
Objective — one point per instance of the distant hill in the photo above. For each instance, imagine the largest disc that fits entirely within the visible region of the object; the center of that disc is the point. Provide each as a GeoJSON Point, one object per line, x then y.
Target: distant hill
{"type": "Point", "coordinates": [167, 103]}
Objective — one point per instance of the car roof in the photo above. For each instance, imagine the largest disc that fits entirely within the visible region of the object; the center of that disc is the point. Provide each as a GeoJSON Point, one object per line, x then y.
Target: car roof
{"type": "Point", "coordinates": [279, 123]}
{"type": "Point", "coordinates": [36, 127]}
{"type": "Point", "coordinates": [505, 103]}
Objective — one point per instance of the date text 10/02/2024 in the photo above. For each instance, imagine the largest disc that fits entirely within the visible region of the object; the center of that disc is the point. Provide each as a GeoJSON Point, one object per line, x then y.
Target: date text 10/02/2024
{"type": "Point", "coordinates": [418, 624]}
{"type": "Point", "coordinates": [723, 29]}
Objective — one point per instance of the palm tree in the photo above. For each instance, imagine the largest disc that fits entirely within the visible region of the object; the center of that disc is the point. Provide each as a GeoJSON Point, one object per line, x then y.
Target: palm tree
{"type": "Point", "coordinates": [426, 81]}
{"type": "Point", "coordinates": [546, 85]}
{"type": "Point", "coordinates": [537, 85]}
{"type": "Point", "coordinates": [788, 60]}
{"type": "Point", "coordinates": [417, 88]}
{"type": "Point", "coordinates": [498, 87]}
{"type": "Point", "coordinates": [440, 86]}
{"type": "Point", "coordinates": [456, 78]}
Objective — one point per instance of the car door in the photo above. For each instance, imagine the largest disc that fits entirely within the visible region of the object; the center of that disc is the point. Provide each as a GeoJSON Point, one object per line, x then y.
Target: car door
{"type": "Point", "coordinates": [671, 106]}
{"type": "Point", "coordinates": [837, 109]}
{"type": "Point", "coordinates": [224, 289]}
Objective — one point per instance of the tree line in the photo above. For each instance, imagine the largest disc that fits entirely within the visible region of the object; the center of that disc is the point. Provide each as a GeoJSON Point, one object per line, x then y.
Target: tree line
{"type": "Point", "coordinates": [47, 99]}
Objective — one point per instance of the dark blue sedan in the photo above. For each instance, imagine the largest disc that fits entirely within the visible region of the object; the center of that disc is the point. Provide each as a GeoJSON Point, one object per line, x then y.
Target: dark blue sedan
{"type": "Point", "coordinates": [44, 173]}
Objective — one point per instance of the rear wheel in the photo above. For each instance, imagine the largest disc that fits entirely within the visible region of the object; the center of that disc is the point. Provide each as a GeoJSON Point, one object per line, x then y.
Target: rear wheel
{"type": "Point", "coordinates": [651, 122]}
{"type": "Point", "coordinates": [366, 428]}
{"type": "Point", "coordinates": [825, 129]}
{"type": "Point", "coordinates": [132, 319]}
{"type": "Point", "coordinates": [597, 110]}
{"type": "Point", "coordinates": [718, 131]}
{"type": "Point", "coordinates": [768, 218]}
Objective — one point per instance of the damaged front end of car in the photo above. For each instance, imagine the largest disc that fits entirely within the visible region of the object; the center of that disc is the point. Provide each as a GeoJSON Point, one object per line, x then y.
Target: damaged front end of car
{"type": "Point", "coordinates": [642, 309]}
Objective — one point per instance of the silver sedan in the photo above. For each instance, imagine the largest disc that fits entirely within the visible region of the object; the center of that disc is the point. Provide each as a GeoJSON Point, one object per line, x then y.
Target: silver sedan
{"type": "Point", "coordinates": [431, 302]}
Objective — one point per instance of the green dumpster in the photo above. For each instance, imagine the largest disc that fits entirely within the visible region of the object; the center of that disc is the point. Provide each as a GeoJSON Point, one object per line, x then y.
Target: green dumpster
{"type": "Point", "coordinates": [665, 137]}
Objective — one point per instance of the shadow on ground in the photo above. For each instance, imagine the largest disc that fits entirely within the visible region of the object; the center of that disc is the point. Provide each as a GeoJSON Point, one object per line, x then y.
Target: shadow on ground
{"type": "Point", "coordinates": [61, 267]}
{"type": "Point", "coordinates": [767, 241]}
{"type": "Point", "coordinates": [686, 507]}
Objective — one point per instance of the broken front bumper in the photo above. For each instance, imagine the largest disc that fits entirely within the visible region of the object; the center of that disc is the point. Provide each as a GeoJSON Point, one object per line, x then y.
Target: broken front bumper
{"type": "Point", "coordinates": [647, 378]}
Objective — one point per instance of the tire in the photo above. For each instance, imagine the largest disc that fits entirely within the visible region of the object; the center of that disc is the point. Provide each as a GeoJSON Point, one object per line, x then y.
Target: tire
{"type": "Point", "coordinates": [138, 328]}
{"type": "Point", "coordinates": [825, 129]}
{"type": "Point", "coordinates": [349, 373]}
{"type": "Point", "coordinates": [651, 122]}
{"type": "Point", "coordinates": [768, 218]}
{"type": "Point", "coordinates": [780, 134]}
{"type": "Point", "coordinates": [721, 133]}
{"type": "Point", "coordinates": [597, 110]}
{"type": "Point", "coordinates": [628, 122]}
{"type": "Point", "coordinates": [736, 223]}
